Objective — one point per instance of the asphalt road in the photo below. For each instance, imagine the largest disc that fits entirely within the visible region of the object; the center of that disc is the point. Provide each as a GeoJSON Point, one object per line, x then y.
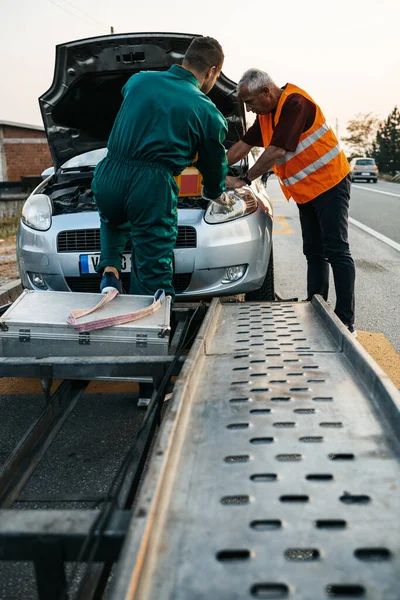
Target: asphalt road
{"type": "Point", "coordinates": [377, 264]}
{"type": "Point", "coordinates": [82, 460]}
{"type": "Point", "coordinates": [88, 451]}
{"type": "Point", "coordinates": [377, 206]}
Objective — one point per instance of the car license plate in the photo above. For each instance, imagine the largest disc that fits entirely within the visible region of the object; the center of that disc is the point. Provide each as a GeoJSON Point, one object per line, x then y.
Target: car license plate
{"type": "Point", "coordinates": [365, 174]}
{"type": "Point", "coordinates": [89, 262]}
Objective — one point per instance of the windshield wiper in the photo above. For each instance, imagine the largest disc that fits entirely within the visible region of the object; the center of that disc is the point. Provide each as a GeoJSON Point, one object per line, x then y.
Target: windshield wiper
{"type": "Point", "coordinates": [81, 169]}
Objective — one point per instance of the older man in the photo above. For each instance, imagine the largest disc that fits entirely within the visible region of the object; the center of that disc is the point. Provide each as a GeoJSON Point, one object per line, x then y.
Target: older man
{"type": "Point", "coordinates": [305, 154]}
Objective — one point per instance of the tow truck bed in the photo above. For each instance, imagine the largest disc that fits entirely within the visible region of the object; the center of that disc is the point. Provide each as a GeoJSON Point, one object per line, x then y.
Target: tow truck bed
{"type": "Point", "coordinates": [276, 473]}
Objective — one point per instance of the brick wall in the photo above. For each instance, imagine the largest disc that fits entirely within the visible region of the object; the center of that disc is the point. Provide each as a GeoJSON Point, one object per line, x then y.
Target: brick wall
{"type": "Point", "coordinates": [25, 152]}
{"type": "Point", "coordinates": [26, 160]}
{"type": "Point", "coordinates": [10, 131]}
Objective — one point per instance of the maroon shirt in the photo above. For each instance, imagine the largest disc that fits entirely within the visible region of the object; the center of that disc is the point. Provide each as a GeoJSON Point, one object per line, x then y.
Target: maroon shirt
{"type": "Point", "coordinates": [297, 116]}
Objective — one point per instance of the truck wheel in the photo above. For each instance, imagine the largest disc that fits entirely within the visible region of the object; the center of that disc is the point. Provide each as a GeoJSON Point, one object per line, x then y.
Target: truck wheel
{"type": "Point", "coordinates": [266, 292]}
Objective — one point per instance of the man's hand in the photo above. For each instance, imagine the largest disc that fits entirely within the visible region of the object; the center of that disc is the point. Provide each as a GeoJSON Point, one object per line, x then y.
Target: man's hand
{"type": "Point", "coordinates": [234, 182]}
{"type": "Point", "coordinates": [224, 200]}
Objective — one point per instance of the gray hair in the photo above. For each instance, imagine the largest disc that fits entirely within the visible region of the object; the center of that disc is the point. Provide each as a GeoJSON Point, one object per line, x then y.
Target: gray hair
{"type": "Point", "coordinates": [255, 79]}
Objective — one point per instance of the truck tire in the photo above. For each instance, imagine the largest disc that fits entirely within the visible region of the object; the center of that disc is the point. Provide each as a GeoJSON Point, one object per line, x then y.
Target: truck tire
{"type": "Point", "coordinates": [266, 292]}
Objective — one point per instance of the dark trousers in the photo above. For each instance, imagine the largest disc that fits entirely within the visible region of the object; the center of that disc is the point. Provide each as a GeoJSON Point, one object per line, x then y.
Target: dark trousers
{"type": "Point", "coordinates": [324, 225]}
{"type": "Point", "coordinates": [139, 200]}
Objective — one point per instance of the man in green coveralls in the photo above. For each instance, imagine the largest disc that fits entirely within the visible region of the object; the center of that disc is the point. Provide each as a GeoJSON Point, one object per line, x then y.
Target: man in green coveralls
{"type": "Point", "coordinates": [165, 120]}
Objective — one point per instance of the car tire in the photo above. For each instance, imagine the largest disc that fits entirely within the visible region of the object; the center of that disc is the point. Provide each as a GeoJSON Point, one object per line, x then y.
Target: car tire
{"type": "Point", "coordinates": [375, 181]}
{"type": "Point", "coordinates": [266, 292]}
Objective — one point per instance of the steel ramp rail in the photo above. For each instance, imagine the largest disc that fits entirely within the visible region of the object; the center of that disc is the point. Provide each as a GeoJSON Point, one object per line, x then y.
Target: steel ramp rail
{"type": "Point", "coordinates": [276, 474]}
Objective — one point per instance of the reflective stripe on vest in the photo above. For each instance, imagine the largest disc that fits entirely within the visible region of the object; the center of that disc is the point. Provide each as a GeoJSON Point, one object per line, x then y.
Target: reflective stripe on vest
{"type": "Point", "coordinates": [313, 167]}
{"type": "Point", "coordinates": [313, 137]}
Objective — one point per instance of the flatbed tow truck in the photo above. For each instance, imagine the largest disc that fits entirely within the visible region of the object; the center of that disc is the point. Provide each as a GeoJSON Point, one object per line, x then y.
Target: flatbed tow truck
{"type": "Point", "coordinates": [272, 472]}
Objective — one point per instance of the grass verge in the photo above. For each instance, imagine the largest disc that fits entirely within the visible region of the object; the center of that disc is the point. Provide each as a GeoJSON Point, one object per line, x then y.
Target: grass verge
{"type": "Point", "coordinates": [385, 177]}
{"type": "Point", "coordinates": [8, 226]}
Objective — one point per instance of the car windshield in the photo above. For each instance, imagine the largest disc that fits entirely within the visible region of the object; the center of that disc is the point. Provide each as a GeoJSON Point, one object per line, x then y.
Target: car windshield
{"type": "Point", "coordinates": [88, 159]}
{"type": "Point", "coordinates": [365, 161]}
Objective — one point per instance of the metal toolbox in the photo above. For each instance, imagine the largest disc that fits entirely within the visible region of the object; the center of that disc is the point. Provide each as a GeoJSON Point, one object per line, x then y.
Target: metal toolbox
{"type": "Point", "coordinates": [35, 326]}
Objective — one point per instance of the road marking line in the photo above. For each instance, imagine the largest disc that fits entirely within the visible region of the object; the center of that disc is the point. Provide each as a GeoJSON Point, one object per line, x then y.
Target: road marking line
{"type": "Point", "coordinates": [281, 225]}
{"type": "Point", "coordinates": [360, 187]}
{"type": "Point", "coordinates": [376, 234]}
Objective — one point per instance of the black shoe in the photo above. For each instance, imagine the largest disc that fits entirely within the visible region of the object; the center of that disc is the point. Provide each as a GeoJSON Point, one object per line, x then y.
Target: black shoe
{"type": "Point", "coordinates": [351, 330]}
{"type": "Point", "coordinates": [109, 283]}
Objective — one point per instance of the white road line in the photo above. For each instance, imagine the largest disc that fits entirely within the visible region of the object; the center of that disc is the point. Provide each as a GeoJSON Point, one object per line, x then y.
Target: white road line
{"type": "Point", "coordinates": [376, 234]}
{"type": "Point", "coordinates": [360, 187]}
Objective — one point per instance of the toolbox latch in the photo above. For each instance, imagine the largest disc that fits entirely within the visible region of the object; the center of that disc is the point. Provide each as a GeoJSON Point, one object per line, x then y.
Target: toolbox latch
{"type": "Point", "coordinates": [84, 338]}
{"type": "Point", "coordinates": [164, 332]}
{"type": "Point", "coordinates": [24, 335]}
{"type": "Point", "coordinates": [141, 340]}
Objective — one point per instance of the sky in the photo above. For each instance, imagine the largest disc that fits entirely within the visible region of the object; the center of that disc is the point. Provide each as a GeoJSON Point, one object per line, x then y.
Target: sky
{"type": "Point", "coordinates": [344, 53]}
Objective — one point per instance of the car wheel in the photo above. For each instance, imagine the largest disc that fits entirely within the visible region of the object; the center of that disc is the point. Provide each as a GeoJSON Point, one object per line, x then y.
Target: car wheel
{"type": "Point", "coordinates": [266, 292]}
{"type": "Point", "coordinates": [375, 181]}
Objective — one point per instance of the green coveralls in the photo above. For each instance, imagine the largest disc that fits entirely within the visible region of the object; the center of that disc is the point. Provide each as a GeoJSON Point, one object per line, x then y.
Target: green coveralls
{"type": "Point", "coordinates": [163, 122]}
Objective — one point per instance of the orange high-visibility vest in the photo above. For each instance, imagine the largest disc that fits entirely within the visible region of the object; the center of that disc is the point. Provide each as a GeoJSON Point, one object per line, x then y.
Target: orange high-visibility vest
{"type": "Point", "coordinates": [317, 164]}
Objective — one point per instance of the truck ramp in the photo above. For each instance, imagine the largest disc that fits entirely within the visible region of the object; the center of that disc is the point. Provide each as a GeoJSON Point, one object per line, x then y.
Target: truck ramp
{"type": "Point", "coordinates": [276, 474]}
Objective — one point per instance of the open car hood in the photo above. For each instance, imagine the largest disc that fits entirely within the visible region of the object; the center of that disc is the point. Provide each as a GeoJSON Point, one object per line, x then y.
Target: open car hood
{"type": "Point", "coordinates": [80, 107]}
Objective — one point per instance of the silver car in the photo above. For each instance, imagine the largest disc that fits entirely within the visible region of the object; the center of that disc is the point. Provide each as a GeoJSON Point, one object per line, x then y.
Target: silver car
{"type": "Point", "coordinates": [364, 169]}
{"type": "Point", "coordinates": [58, 242]}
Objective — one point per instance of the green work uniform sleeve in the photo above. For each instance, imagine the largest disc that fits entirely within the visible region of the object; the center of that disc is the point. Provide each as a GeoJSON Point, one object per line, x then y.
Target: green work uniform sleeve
{"type": "Point", "coordinates": [212, 162]}
{"type": "Point", "coordinates": [131, 81]}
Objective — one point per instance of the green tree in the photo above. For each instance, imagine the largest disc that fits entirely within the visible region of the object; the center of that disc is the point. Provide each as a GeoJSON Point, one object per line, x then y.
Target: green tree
{"type": "Point", "coordinates": [386, 146]}
{"type": "Point", "coordinates": [361, 133]}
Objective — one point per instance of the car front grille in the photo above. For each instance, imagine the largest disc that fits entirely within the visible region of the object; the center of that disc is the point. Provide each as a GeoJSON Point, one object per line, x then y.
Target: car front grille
{"type": "Point", "coordinates": [88, 240]}
{"type": "Point", "coordinates": [91, 283]}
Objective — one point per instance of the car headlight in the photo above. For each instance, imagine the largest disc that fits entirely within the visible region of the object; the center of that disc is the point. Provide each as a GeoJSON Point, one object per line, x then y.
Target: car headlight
{"type": "Point", "coordinates": [245, 204]}
{"type": "Point", "coordinates": [37, 211]}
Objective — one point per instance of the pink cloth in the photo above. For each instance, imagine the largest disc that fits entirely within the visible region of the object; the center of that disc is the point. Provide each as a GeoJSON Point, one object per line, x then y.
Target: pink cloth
{"type": "Point", "coordinates": [74, 315]}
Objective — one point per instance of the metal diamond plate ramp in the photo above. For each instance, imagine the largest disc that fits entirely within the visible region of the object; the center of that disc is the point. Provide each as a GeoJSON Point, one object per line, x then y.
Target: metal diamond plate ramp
{"type": "Point", "coordinates": [263, 327]}
{"type": "Point", "coordinates": [276, 476]}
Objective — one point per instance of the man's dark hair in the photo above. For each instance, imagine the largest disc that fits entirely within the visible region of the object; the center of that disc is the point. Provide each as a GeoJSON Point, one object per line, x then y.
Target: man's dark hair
{"type": "Point", "coordinates": [203, 53]}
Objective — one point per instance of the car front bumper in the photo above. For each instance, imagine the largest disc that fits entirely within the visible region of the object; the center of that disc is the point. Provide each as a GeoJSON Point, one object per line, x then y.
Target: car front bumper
{"type": "Point", "coordinates": [245, 241]}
